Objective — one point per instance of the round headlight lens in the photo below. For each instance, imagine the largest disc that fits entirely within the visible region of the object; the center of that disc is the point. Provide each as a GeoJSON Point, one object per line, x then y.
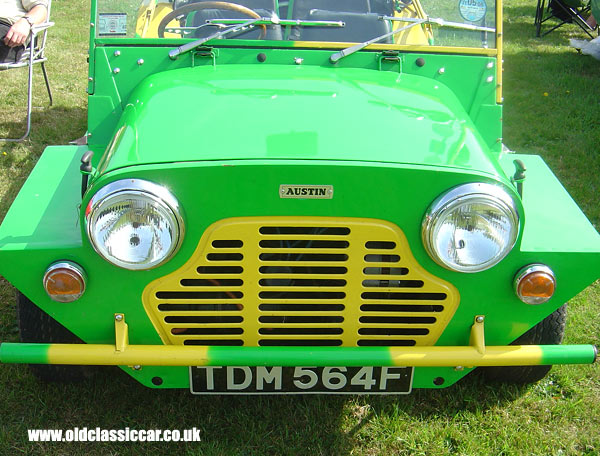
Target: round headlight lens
{"type": "Point", "coordinates": [471, 228]}
{"type": "Point", "coordinates": [134, 224]}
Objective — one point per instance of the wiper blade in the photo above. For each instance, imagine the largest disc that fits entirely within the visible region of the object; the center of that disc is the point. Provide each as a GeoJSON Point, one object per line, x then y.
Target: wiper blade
{"type": "Point", "coordinates": [174, 53]}
{"type": "Point", "coordinates": [357, 47]}
{"type": "Point", "coordinates": [413, 22]}
{"type": "Point", "coordinates": [284, 22]}
{"type": "Point", "coordinates": [186, 30]}
{"type": "Point", "coordinates": [240, 24]}
{"type": "Point", "coordinates": [441, 22]}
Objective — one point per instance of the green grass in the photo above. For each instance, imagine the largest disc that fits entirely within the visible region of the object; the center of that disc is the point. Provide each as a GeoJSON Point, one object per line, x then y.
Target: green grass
{"type": "Point", "coordinates": [558, 416]}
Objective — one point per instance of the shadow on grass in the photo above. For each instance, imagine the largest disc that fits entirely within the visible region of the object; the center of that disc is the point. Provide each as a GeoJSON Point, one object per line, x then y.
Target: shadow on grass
{"type": "Point", "coordinates": [49, 126]}
{"type": "Point", "coordinates": [230, 425]}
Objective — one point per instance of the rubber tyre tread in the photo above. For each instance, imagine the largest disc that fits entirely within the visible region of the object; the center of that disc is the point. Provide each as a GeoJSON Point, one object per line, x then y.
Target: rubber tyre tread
{"type": "Point", "coordinates": [36, 326]}
{"type": "Point", "coordinates": [550, 331]}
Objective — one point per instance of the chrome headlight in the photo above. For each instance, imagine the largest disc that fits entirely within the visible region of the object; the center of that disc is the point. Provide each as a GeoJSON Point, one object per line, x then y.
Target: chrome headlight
{"type": "Point", "coordinates": [471, 227]}
{"type": "Point", "coordinates": [134, 224]}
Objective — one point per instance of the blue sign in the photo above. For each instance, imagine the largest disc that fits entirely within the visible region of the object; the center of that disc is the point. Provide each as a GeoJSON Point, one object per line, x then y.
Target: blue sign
{"type": "Point", "coordinates": [472, 10]}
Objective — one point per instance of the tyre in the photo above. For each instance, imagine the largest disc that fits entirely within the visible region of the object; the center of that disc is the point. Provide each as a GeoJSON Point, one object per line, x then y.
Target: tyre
{"type": "Point", "coordinates": [549, 331]}
{"type": "Point", "coordinates": [36, 326]}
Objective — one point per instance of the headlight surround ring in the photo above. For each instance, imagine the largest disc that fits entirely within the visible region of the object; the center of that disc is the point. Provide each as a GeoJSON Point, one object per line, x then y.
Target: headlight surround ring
{"type": "Point", "coordinates": [153, 212]}
{"type": "Point", "coordinates": [495, 211]}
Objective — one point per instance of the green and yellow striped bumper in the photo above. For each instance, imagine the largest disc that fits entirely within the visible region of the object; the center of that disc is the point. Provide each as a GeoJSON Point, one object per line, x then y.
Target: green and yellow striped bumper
{"type": "Point", "coordinates": [122, 354]}
{"type": "Point", "coordinates": [171, 355]}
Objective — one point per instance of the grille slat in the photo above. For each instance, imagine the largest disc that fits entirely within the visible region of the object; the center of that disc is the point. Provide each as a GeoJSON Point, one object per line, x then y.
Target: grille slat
{"type": "Point", "coordinates": [307, 307]}
{"type": "Point", "coordinates": [311, 231]}
{"type": "Point", "coordinates": [286, 245]}
{"type": "Point", "coordinates": [395, 295]}
{"type": "Point", "coordinates": [332, 282]}
{"type": "Point", "coordinates": [300, 332]}
{"type": "Point", "coordinates": [190, 320]}
{"type": "Point", "coordinates": [405, 320]}
{"type": "Point", "coordinates": [380, 245]}
{"type": "Point", "coordinates": [384, 258]}
{"type": "Point", "coordinates": [297, 258]}
{"type": "Point", "coordinates": [230, 264]}
{"type": "Point", "coordinates": [392, 315]}
{"type": "Point", "coordinates": [287, 283]}
{"type": "Point", "coordinates": [217, 342]}
{"type": "Point", "coordinates": [385, 272]}
{"type": "Point", "coordinates": [301, 276]}
{"type": "Point", "coordinates": [202, 296]}
{"type": "Point", "coordinates": [227, 244]}
{"type": "Point", "coordinates": [300, 342]}
{"type": "Point", "coordinates": [211, 283]}
{"type": "Point", "coordinates": [382, 332]}
{"type": "Point", "coordinates": [302, 252]}
{"type": "Point", "coordinates": [387, 342]}
{"type": "Point", "coordinates": [316, 290]}
{"type": "Point", "coordinates": [391, 286]}
{"type": "Point", "coordinates": [297, 320]}
{"type": "Point", "coordinates": [299, 301]}
{"type": "Point", "coordinates": [283, 313]}
{"type": "Point", "coordinates": [204, 313]}
{"type": "Point", "coordinates": [387, 308]}
{"type": "Point", "coordinates": [202, 301]}
{"type": "Point", "coordinates": [215, 332]}
{"type": "Point", "coordinates": [305, 263]}
{"type": "Point", "coordinates": [213, 272]}
{"type": "Point", "coordinates": [215, 324]}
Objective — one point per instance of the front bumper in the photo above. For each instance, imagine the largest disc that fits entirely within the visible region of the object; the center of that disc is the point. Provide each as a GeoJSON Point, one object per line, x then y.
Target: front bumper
{"type": "Point", "coordinates": [122, 354]}
{"type": "Point", "coordinates": [41, 227]}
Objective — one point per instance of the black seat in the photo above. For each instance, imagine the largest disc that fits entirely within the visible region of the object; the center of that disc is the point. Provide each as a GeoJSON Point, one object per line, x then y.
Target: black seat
{"type": "Point", "coordinates": [383, 7]}
{"type": "Point", "coordinates": [358, 27]}
{"type": "Point", "coordinates": [301, 8]}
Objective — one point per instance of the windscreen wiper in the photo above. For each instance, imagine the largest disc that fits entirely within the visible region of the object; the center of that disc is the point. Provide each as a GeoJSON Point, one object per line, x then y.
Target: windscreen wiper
{"type": "Point", "coordinates": [413, 22]}
{"type": "Point", "coordinates": [441, 22]}
{"type": "Point", "coordinates": [237, 25]}
{"type": "Point", "coordinates": [174, 53]}
{"type": "Point", "coordinates": [284, 22]}
{"type": "Point", "coordinates": [357, 47]}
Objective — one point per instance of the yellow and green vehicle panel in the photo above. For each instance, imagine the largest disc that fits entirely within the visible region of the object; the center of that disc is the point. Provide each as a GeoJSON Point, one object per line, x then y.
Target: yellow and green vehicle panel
{"type": "Point", "coordinates": [336, 276]}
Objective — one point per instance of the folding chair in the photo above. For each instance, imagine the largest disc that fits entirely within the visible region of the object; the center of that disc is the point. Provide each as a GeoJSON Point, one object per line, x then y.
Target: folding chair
{"type": "Point", "coordinates": [34, 53]}
{"type": "Point", "coordinates": [595, 5]}
{"type": "Point", "coordinates": [566, 12]}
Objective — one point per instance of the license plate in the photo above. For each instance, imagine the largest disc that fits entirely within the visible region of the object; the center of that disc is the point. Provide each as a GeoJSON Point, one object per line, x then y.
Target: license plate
{"type": "Point", "coordinates": [300, 380]}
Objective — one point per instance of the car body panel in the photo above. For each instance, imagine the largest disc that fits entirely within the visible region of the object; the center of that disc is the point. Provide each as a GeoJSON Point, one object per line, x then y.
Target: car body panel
{"type": "Point", "coordinates": [225, 127]}
{"type": "Point", "coordinates": [295, 109]}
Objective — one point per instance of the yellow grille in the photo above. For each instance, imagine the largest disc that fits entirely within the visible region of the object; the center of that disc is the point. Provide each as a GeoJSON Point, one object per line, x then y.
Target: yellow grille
{"type": "Point", "coordinates": [260, 281]}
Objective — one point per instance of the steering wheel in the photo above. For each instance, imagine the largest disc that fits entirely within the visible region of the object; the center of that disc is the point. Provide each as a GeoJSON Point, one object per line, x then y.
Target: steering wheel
{"type": "Point", "coordinates": [187, 9]}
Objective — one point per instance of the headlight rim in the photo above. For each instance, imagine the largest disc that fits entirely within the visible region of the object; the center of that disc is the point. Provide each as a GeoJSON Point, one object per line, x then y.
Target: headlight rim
{"type": "Point", "coordinates": [146, 188]}
{"type": "Point", "coordinates": [454, 197]}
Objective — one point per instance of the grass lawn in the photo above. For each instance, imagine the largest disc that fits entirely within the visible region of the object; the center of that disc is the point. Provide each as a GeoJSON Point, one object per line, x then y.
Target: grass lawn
{"type": "Point", "coordinates": [552, 109]}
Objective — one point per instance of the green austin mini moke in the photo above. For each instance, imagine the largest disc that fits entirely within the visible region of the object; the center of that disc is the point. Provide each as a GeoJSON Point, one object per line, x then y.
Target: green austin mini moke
{"type": "Point", "coordinates": [295, 197]}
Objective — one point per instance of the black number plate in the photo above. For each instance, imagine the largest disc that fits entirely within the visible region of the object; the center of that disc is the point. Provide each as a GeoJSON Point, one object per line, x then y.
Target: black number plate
{"type": "Point", "coordinates": [300, 380]}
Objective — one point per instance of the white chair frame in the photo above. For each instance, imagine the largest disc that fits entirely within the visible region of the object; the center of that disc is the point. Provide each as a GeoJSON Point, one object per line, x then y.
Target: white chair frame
{"type": "Point", "coordinates": [34, 53]}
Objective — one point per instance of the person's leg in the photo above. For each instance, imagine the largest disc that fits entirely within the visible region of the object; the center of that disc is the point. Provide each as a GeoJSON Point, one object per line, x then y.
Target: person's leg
{"type": "Point", "coordinates": [8, 54]}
